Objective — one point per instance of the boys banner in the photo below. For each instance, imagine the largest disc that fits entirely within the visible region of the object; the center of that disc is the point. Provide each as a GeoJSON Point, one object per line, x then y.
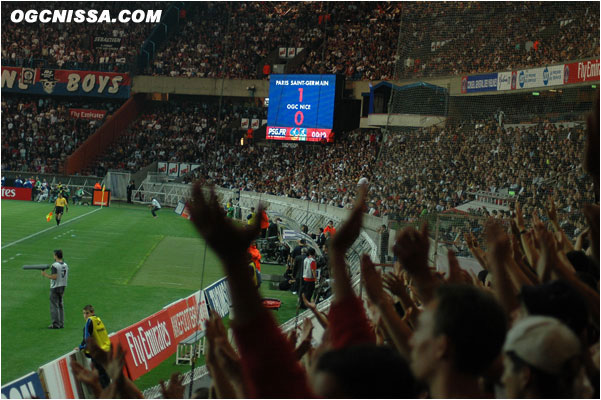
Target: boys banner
{"type": "Point", "coordinates": [65, 82]}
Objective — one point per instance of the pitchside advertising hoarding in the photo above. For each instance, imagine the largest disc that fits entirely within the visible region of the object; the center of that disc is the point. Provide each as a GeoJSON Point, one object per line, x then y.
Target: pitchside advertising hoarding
{"type": "Point", "coordinates": [533, 78]}
{"type": "Point", "coordinates": [12, 193]}
{"type": "Point", "coordinates": [27, 387]}
{"type": "Point", "coordinates": [301, 107]}
{"type": "Point", "coordinates": [65, 82]}
{"type": "Point", "coordinates": [155, 338]}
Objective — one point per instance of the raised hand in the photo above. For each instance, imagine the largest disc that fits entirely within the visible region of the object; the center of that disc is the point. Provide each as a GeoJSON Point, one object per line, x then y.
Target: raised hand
{"type": "Point", "coordinates": [394, 284]}
{"type": "Point", "coordinates": [90, 378]}
{"type": "Point", "coordinates": [411, 248]}
{"type": "Point", "coordinates": [519, 217]}
{"type": "Point", "coordinates": [309, 304]}
{"type": "Point", "coordinates": [372, 281]}
{"type": "Point", "coordinates": [350, 229]}
{"type": "Point", "coordinates": [551, 211]}
{"type": "Point", "coordinates": [229, 241]}
{"type": "Point", "coordinates": [455, 271]}
{"type": "Point", "coordinates": [340, 243]}
{"type": "Point", "coordinates": [175, 390]}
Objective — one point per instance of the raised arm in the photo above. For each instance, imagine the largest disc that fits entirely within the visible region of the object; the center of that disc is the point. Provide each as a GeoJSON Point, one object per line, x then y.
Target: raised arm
{"type": "Point", "coordinates": [261, 344]}
{"type": "Point", "coordinates": [411, 248]}
{"type": "Point", "coordinates": [397, 329]}
{"type": "Point", "coordinates": [348, 323]}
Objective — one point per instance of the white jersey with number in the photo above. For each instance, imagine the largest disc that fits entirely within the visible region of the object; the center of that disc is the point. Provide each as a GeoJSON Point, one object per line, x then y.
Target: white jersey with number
{"type": "Point", "coordinates": [61, 269]}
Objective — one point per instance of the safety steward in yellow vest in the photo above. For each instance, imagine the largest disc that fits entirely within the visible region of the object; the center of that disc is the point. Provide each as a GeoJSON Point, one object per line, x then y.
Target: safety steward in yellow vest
{"type": "Point", "coordinates": [96, 331]}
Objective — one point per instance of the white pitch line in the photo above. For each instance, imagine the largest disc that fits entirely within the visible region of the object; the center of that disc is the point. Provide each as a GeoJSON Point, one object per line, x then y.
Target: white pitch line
{"type": "Point", "coordinates": [47, 229]}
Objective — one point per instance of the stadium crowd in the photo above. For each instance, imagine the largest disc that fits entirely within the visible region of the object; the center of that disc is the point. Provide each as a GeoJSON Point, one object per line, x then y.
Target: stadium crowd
{"type": "Point", "coordinates": [359, 39]}
{"type": "Point", "coordinates": [532, 331]}
{"type": "Point", "coordinates": [228, 39]}
{"type": "Point", "coordinates": [38, 133]}
{"type": "Point", "coordinates": [533, 161]}
{"type": "Point", "coordinates": [71, 45]}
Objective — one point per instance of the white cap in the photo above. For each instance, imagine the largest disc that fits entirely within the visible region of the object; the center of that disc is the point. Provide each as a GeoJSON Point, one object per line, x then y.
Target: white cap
{"type": "Point", "coordinates": [543, 342]}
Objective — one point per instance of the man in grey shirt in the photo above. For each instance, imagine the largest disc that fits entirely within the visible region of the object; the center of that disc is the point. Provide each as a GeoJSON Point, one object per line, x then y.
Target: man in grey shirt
{"type": "Point", "coordinates": [59, 273]}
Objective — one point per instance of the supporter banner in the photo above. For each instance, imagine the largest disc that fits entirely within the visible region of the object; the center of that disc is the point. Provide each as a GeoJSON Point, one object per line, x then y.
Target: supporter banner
{"type": "Point", "coordinates": [147, 343]}
{"type": "Point", "coordinates": [479, 83]}
{"type": "Point", "coordinates": [12, 193]}
{"type": "Point", "coordinates": [299, 49]}
{"type": "Point", "coordinates": [218, 297]}
{"type": "Point", "coordinates": [106, 42]}
{"type": "Point", "coordinates": [244, 123]}
{"type": "Point", "coordinates": [194, 166]}
{"type": "Point", "coordinates": [184, 168]}
{"type": "Point", "coordinates": [173, 169]}
{"type": "Point", "coordinates": [291, 52]}
{"type": "Point", "coordinates": [282, 52]}
{"type": "Point", "coordinates": [27, 387]}
{"type": "Point", "coordinates": [540, 77]}
{"type": "Point", "coordinates": [82, 113]}
{"type": "Point", "coordinates": [299, 134]}
{"type": "Point", "coordinates": [263, 122]}
{"type": "Point", "coordinates": [162, 167]}
{"type": "Point", "coordinates": [586, 71]}
{"type": "Point", "coordinates": [59, 380]}
{"type": "Point", "coordinates": [254, 123]}
{"type": "Point", "coordinates": [65, 82]}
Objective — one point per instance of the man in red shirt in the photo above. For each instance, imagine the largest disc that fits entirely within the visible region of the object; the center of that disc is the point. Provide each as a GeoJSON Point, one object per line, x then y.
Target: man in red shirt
{"type": "Point", "coordinates": [309, 277]}
{"type": "Point", "coordinates": [330, 228]}
{"type": "Point", "coordinates": [255, 256]}
{"type": "Point", "coordinates": [264, 224]}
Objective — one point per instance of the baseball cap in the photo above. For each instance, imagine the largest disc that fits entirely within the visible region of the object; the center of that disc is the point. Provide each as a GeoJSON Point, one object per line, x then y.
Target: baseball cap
{"type": "Point", "coordinates": [543, 342]}
{"type": "Point", "coordinates": [559, 300]}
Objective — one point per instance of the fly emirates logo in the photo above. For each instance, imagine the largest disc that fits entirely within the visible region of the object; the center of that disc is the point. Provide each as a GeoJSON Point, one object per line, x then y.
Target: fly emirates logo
{"type": "Point", "coordinates": [147, 343]}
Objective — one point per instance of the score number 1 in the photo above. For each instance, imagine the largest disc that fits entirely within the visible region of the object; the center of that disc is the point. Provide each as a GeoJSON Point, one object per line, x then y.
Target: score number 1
{"type": "Point", "coordinates": [299, 116]}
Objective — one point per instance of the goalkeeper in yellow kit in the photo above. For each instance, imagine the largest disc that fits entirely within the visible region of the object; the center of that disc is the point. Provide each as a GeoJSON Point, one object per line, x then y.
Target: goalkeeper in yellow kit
{"type": "Point", "coordinates": [60, 205]}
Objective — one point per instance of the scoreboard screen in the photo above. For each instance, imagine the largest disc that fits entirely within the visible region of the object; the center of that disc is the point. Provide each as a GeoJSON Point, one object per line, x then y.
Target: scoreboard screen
{"type": "Point", "coordinates": [301, 107]}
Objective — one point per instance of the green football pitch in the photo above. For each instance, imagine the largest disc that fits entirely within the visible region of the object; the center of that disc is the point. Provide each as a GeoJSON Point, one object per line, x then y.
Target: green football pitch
{"type": "Point", "coordinates": [125, 263]}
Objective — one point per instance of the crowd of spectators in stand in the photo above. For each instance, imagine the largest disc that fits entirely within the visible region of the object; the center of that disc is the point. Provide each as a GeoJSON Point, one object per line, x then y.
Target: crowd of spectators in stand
{"type": "Point", "coordinates": [477, 37]}
{"type": "Point", "coordinates": [358, 39]}
{"type": "Point", "coordinates": [534, 162]}
{"type": "Point", "coordinates": [532, 331]}
{"type": "Point", "coordinates": [38, 133]}
{"type": "Point", "coordinates": [180, 132]}
{"type": "Point", "coordinates": [411, 173]}
{"type": "Point", "coordinates": [488, 37]}
{"type": "Point", "coordinates": [70, 45]}
{"type": "Point", "coordinates": [232, 40]}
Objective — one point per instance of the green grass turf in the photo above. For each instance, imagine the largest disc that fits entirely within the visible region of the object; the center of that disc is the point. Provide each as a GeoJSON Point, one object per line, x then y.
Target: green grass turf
{"type": "Point", "coordinates": [124, 262]}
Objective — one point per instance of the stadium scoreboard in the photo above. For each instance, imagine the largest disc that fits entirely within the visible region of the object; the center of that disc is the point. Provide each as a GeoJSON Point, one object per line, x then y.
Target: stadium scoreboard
{"type": "Point", "coordinates": [301, 108]}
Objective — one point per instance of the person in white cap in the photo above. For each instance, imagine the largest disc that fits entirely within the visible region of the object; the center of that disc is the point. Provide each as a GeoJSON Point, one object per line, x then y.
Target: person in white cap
{"type": "Point", "coordinates": [542, 360]}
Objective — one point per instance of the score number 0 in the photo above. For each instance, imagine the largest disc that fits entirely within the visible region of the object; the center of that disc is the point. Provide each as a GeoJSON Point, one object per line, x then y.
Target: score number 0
{"type": "Point", "coordinates": [299, 117]}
